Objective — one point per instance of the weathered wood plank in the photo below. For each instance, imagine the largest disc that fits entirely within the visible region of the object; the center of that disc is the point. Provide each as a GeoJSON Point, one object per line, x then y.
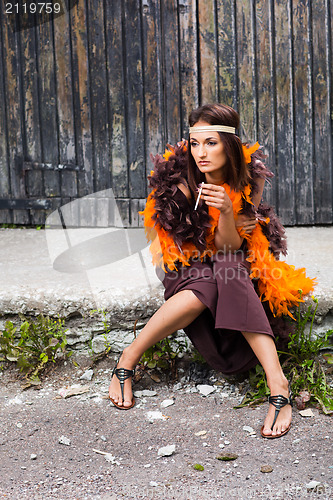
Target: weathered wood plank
{"type": "Point", "coordinates": [136, 206]}
{"type": "Point", "coordinates": [171, 70]}
{"type": "Point", "coordinates": [81, 95]}
{"type": "Point", "coordinates": [303, 115]}
{"type": "Point", "coordinates": [34, 180]}
{"type": "Point", "coordinates": [284, 113]}
{"type": "Point", "coordinates": [189, 70]}
{"type": "Point", "coordinates": [98, 95]}
{"type": "Point", "coordinates": [134, 93]}
{"type": "Point", "coordinates": [153, 90]}
{"type": "Point", "coordinates": [15, 114]}
{"type": "Point", "coordinates": [5, 215]}
{"type": "Point", "coordinates": [246, 70]}
{"type": "Point", "coordinates": [208, 52]}
{"type": "Point", "coordinates": [226, 53]}
{"type": "Point", "coordinates": [265, 78]}
{"type": "Point", "coordinates": [322, 118]}
{"type": "Point", "coordinates": [48, 104]}
{"type": "Point", "coordinates": [68, 180]}
{"type": "Point", "coordinates": [116, 85]}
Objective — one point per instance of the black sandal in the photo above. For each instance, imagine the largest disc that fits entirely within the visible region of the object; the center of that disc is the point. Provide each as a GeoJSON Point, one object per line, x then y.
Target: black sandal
{"type": "Point", "coordinates": [279, 402]}
{"type": "Point", "coordinates": [122, 374]}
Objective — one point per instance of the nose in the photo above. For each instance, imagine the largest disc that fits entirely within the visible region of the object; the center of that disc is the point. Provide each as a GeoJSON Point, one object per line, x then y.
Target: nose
{"type": "Point", "coordinates": [202, 151]}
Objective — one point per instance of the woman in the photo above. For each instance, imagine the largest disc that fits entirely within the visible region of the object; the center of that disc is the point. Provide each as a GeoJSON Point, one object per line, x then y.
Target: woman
{"type": "Point", "coordinates": [203, 220]}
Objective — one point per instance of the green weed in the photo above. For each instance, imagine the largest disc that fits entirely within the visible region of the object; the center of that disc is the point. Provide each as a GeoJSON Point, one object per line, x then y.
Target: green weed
{"type": "Point", "coordinates": [164, 354]}
{"type": "Point", "coordinates": [302, 365]}
{"type": "Point", "coordinates": [33, 345]}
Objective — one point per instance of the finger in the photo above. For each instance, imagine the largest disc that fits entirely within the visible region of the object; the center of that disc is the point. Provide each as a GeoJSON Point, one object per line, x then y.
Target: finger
{"type": "Point", "coordinates": [212, 188]}
{"type": "Point", "coordinates": [213, 199]}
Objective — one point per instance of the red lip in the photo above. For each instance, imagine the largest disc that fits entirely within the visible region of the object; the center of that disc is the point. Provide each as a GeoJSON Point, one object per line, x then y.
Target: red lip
{"type": "Point", "coordinates": [204, 162]}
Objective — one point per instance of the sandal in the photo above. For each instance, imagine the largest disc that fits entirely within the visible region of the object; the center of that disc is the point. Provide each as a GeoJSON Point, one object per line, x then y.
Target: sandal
{"type": "Point", "coordinates": [122, 374]}
{"type": "Point", "coordinates": [279, 402]}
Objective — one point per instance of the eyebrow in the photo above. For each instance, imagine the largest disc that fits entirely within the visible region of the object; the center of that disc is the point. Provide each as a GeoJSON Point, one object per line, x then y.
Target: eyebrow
{"type": "Point", "coordinates": [207, 138]}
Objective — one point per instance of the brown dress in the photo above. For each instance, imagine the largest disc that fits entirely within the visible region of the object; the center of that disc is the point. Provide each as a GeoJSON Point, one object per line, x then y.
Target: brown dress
{"type": "Point", "coordinates": [223, 284]}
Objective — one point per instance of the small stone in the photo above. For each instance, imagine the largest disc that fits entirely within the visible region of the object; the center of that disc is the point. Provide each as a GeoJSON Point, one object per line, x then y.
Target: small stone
{"type": "Point", "coordinates": [23, 468]}
{"type": "Point", "coordinates": [248, 429]}
{"type": "Point", "coordinates": [306, 413]}
{"type": "Point", "coordinates": [156, 415]}
{"type": "Point", "coordinates": [144, 393]}
{"type": "Point", "coordinates": [204, 444]}
{"type": "Point", "coordinates": [226, 442]}
{"type": "Point", "coordinates": [19, 425]}
{"type": "Point", "coordinates": [205, 390]}
{"type": "Point", "coordinates": [221, 445]}
{"type": "Point", "coordinates": [87, 375]}
{"type": "Point", "coordinates": [64, 440]}
{"type": "Point", "coordinates": [153, 483]}
{"type": "Point", "coordinates": [296, 462]}
{"type": "Point", "coordinates": [103, 438]}
{"type": "Point", "coordinates": [296, 441]}
{"type": "Point", "coordinates": [312, 485]}
{"type": "Point", "coordinates": [166, 451]}
{"type": "Point", "coordinates": [177, 387]}
{"type": "Point", "coordinates": [167, 402]}
{"type": "Point", "coordinates": [110, 458]}
{"type": "Point", "coordinates": [147, 466]}
{"type": "Point", "coordinates": [33, 456]}
{"type": "Point", "coordinates": [266, 468]}
{"type": "Point", "coordinates": [227, 457]}
{"type": "Point", "coordinates": [200, 433]}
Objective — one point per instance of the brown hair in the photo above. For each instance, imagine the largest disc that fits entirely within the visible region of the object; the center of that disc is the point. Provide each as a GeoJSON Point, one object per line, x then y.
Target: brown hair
{"type": "Point", "coordinates": [236, 171]}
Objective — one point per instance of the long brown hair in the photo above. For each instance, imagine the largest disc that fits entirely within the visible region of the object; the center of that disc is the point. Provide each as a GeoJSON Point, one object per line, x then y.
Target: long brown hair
{"type": "Point", "coordinates": [236, 171]}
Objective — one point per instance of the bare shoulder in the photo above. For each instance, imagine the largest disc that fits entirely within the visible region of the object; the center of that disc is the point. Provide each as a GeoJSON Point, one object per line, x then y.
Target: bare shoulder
{"type": "Point", "coordinates": [185, 190]}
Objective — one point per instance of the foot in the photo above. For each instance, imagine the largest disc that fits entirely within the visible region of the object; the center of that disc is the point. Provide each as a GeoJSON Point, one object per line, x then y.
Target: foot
{"type": "Point", "coordinates": [114, 388]}
{"type": "Point", "coordinates": [283, 420]}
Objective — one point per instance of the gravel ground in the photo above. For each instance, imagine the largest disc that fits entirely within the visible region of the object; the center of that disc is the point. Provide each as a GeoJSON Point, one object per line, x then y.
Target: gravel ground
{"type": "Point", "coordinates": [35, 465]}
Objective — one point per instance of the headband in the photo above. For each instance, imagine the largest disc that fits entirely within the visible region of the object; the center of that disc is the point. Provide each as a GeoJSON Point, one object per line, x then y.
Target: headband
{"type": "Point", "coordinates": [213, 128]}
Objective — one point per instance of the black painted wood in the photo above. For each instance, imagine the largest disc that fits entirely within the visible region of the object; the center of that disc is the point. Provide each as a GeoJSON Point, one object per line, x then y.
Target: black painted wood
{"type": "Point", "coordinates": [86, 96]}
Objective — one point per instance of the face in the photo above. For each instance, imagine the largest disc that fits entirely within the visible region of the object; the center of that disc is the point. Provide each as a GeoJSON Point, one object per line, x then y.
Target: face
{"type": "Point", "coordinates": [208, 152]}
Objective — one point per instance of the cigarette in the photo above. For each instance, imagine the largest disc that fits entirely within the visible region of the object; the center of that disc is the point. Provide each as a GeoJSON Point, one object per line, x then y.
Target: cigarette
{"type": "Point", "coordinates": [196, 203]}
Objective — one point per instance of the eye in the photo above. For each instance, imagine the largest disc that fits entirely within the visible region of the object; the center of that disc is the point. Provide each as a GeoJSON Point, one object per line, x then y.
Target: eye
{"type": "Point", "coordinates": [193, 144]}
{"type": "Point", "coordinates": [212, 143]}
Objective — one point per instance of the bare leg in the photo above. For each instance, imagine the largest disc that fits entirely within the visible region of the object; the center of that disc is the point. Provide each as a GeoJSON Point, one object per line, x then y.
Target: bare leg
{"type": "Point", "coordinates": [176, 313]}
{"type": "Point", "coordinates": [264, 348]}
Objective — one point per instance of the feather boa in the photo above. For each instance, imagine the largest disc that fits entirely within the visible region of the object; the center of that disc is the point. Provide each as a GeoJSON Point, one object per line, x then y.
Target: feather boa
{"type": "Point", "coordinates": [178, 233]}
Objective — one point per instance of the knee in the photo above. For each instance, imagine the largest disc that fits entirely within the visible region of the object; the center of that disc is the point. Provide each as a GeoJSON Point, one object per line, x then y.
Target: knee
{"type": "Point", "coordinates": [193, 303]}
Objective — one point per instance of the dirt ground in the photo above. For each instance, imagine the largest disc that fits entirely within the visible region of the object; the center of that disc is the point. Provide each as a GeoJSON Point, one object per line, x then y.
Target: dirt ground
{"type": "Point", "coordinates": [36, 465]}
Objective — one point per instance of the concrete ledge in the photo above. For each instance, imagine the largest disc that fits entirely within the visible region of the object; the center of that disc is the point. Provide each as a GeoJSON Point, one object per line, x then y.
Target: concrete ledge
{"type": "Point", "coordinates": [127, 288]}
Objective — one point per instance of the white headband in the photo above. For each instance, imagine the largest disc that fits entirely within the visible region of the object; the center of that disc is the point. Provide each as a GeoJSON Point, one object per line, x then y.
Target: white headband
{"type": "Point", "coordinates": [213, 128]}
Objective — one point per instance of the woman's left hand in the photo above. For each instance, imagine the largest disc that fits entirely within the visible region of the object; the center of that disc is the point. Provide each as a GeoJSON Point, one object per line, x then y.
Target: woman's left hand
{"type": "Point", "coordinates": [216, 196]}
{"type": "Point", "coordinates": [246, 223]}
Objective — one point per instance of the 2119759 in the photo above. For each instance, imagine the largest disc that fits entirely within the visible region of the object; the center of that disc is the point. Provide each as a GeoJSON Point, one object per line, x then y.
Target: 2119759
{"type": "Point", "coordinates": [32, 8]}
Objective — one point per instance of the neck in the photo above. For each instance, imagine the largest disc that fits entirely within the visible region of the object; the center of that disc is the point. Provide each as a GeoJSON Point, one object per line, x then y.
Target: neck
{"type": "Point", "coordinates": [214, 179]}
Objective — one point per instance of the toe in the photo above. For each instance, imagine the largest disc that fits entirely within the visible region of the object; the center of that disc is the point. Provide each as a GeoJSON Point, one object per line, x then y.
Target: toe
{"type": "Point", "coordinates": [267, 431]}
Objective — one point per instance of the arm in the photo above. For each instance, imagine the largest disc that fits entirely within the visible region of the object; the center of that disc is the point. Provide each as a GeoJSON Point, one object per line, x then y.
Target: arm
{"type": "Point", "coordinates": [226, 234]}
{"type": "Point", "coordinates": [246, 222]}
{"type": "Point", "coordinates": [185, 190]}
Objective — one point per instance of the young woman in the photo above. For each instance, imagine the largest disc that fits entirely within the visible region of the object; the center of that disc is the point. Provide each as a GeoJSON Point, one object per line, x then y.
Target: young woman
{"type": "Point", "coordinates": [211, 242]}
